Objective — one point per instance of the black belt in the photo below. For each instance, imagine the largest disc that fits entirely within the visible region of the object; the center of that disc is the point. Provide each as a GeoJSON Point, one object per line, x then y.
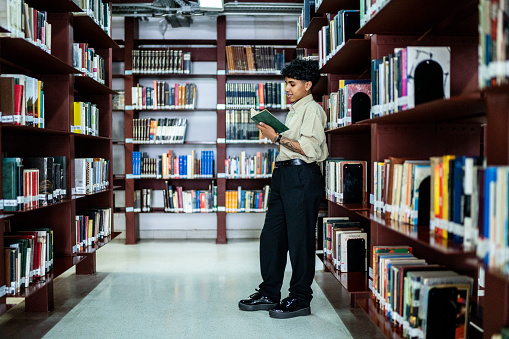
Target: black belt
{"type": "Point", "coordinates": [292, 162]}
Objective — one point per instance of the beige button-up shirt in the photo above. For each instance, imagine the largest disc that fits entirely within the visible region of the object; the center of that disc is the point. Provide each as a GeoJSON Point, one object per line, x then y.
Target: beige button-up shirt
{"type": "Point", "coordinates": [306, 121]}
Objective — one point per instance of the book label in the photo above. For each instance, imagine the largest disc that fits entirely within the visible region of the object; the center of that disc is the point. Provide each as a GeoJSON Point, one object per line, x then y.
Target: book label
{"type": "Point", "coordinates": [221, 72]}
{"type": "Point", "coordinates": [8, 119]}
{"type": "Point", "coordinates": [10, 202]}
{"type": "Point", "coordinates": [129, 209]}
{"type": "Point", "coordinates": [221, 175]}
{"type": "Point", "coordinates": [128, 140]}
{"type": "Point", "coordinates": [128, 72]}
{"type": "Point", "coordinates": [221, 208]}
{"type": "Point", "coordinates": [221, 140]}
{"type": "Point", "coordinates": [221, 106]}
{"type": "Point", "coordinates": [129, 176]}
{"type": "Point", "coordinates": [129, 107]}
{"type": "Point", "coordinates": [3, 291]}
{"type": "Point", "coordinates": [372, 199]}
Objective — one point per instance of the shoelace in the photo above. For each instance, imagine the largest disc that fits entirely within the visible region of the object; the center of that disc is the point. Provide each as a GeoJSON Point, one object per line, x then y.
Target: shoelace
{"type": "Point", "coordinates": [254, 294]}
{"type": "Point", "coordinates": [288, 301]}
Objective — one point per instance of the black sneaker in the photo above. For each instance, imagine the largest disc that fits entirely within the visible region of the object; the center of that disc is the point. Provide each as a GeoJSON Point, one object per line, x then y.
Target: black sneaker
{"type": "Point", "coordinates": [289, 308]}
{"type": "Point", "coordinates": [257, 302]}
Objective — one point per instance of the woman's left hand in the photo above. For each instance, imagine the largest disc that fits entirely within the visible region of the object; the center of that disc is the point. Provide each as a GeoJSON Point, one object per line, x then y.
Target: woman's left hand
{"type": "Point", "coordinates": [267, 131]}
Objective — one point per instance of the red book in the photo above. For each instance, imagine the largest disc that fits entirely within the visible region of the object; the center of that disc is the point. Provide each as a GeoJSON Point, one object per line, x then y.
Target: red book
{"type": "Point", "coordinates": [203, 201]}
{"type": "Point", "coordinates": [179, 196]}
{"type": "Point", "coordinates": [18, 100]}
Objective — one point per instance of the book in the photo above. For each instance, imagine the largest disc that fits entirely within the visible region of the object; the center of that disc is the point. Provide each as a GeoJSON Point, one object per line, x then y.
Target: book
{"type": "Point", "coordinates": [268, 118]}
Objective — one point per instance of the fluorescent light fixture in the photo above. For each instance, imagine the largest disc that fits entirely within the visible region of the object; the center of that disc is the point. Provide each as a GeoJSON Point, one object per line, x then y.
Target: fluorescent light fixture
{"type": "Point", "coordinates": [211, 5]}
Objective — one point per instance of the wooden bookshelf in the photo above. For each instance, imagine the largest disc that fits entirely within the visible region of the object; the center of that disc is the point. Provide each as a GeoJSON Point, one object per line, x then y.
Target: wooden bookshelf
{"type": "Point", "coordinates": [62, 86]}
{"type": "Point", "coordinates": [402, 17]}
{"type": "Point", "coordinates": [470, 122]}
{"type": "Point", "coordinates": [352, 58]}
{"type": "Point", "coordinates": [331, 6]}
{"type": "Point", "coordinates": [309, 37]}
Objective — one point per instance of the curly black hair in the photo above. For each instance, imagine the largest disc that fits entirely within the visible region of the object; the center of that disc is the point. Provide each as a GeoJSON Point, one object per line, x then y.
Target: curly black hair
{"type": "Point", "coordinates": [300, 69]}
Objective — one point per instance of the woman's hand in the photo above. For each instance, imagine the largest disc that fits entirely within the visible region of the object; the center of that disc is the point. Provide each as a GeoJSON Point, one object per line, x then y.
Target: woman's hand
{"type": "Point", "coordinates": [267, 131]}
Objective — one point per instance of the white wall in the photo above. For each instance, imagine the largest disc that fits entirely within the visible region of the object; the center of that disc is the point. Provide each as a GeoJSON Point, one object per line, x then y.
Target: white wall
{"type": "Point", "coordinates": [201, 126]}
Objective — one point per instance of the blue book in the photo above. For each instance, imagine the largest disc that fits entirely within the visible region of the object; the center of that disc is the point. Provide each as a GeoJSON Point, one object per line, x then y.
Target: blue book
{"type": "Point", "coordinates": [181, 165]}
{"type": "Point", "coordinates": [490, 179]}
{"type": "Point", "coordinates": [458, 173]}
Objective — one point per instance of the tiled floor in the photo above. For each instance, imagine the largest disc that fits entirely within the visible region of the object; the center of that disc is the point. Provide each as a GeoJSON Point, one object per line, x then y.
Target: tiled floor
{"type": "Point", "coordinates": [180, 289]}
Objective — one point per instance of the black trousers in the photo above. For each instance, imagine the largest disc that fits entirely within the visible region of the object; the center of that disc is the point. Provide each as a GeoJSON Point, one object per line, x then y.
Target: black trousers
{"type": "Point", "coordinates": [294, 200]}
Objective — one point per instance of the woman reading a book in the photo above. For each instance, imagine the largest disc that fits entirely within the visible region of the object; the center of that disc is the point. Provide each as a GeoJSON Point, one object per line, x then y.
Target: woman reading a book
{"type": "Point", "coordinates": [296, 190]}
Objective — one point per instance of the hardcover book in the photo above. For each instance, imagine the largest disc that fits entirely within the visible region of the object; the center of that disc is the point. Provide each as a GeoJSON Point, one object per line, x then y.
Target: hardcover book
{"type": "Point", "coordinates": [268, 118]}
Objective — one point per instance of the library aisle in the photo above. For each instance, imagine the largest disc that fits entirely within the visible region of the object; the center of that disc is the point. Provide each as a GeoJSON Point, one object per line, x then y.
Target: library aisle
{"type": "Point", "coordinates": [177, 289]}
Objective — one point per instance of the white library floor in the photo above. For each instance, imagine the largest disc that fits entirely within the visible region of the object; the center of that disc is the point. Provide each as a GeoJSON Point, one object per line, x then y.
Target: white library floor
{"type": "Point", "coordinates": [181, 289]}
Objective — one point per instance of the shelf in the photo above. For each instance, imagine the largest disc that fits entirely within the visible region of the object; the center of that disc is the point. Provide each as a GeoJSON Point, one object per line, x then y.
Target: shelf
{"type": "Point", "coordinates": [62, 264]}
{"type": "Point", "coordinates": [18, 130]}
{"type": "Point", "coordinates": [87, 30]}
{"type": "Point", "coordinates": [411, 17]}
{"type": "Point", "coordinates": [90, 137]}
{"type": "Point", "coordinates": [421, 235]}
{"type": "Point", "coordinates": [173, 42]}
{"type": "Point", "coordinates": [246, 178]}
{"type": "Point", "coordinates": [353, 58]}
{"type": "Point", "coordinates": [118, 76]}
{"type": "Point", "coordinates": [249, 142]}
{"type": "Point", "coordinates": [355, 207]}
{"type": "Point", "coordinates": [456, 108]}
{"type": "Point", "coordinates": [355, 128]}
{"type": "Point", "coordinates": [260, 42]}
{"type": "Point", "coordinates": [499, 89]}
{"type": "Point", "coordinates": [161, 210]}
{"type": "Point", "coordinates": [309, 38]}
{"type": "Point", "coordinates": [353, 282]}
{"type": "Point", "coordinates": [176, 110]}
{"type": "Point", "coordinates": [333, 6]}
{"type": "Point", "coordinates": [100, 243]}
{"type": "Point", "coordinates": [176, 76]}
{"type": "Point", "coordinates": [22, 54]}
{"type": "Point", "coordinates": [40, 207]}
{"type": "Point", "coordinates": [262, 76]}
{"type": "Point", "coordinates": [79, 196]}
{"type": "Point", "coordinates": [379, 319]}
{"type": "Point", "coordinates": [176, 179]}
{"type": "Point", "coordinates": [118, 142]}
{"type": "Point", "coordinates": [54, 5]}
{"type": "Point", "coordinates": [89, 85]}
{"type": "Point", "coordinates": [184, 143]}
{"type": "Point", "coordinates": [4, 30]}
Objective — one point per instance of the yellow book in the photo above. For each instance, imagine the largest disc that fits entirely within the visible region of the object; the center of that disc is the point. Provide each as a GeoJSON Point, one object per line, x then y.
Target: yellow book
{"type": "Point", "coordinates": [76, 118]}
{"type": "Point", "coordinates": [445, 194]}
{"type": "Point", "coordinates": [434, 193]}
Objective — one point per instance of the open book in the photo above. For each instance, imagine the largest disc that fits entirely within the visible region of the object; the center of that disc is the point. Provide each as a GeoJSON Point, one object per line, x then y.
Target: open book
{"type": "Point", "coordinates": [267, 118]}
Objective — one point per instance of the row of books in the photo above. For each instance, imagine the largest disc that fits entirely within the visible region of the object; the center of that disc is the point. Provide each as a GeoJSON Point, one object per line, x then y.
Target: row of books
{"type": "Point", "coordinates": [239, 126]}
{"type": "Point", "coordinates": [397, 186]}
{"type": "Point", "coordinates": [98, 11]}
{"type": "Point", "coordinates": [308, 12]}
{"type": "Point", "coordinates": [408, 77]}
{"type": "Point", "coordinates": [142, 200]}
{"type": "Point", "coordinates": [259, 96]}
{"type": "Point", "coordinates": [350, 104]}
{"type": "Point", "coordinates": [28, 256]}
{"type": "Point", "coordinates": [86, 60]}
{"type": "Point", "coordinates": [345, 244]}
{"type": "Point", "coordinates": [164, 96]}
{"type": "Point", "coordinates": [369, 8]}
{"type": "Point", "coordinates": [91, 226]}
{"type": "Point", "coordinates": [176, 200]}
{"type": "Point", "coordinates": [493, 48]}
{"type": "Point", "coordinates": [159, 131]}
{"type": "Point", "coordinates": [91, 175]}
{"type": "Point", "coordinates": [333, 36]}
{"type": "Point", "coordinates": [423, 300]}
{"type": "Point", "coordinates": [259, 165]}
{"type": "Point", "coordinates": [254, 59]}
{"type": "Point", "coordinates": [166, 61]}
{"type": "Point", "coordinates": [31, 182]}
{"type": "Point", "coordinates": [247, 201]}
{"type": "Point", "coordinates": [85, 118]}
{"type": "Point", "coordinates": [23, 21]}
{"type": "Point", "coordinates": [169, 165]}
{"type": "Point", "coordinates": [22, 100]}
{"type": "Point", "coordinates": [346, 181]}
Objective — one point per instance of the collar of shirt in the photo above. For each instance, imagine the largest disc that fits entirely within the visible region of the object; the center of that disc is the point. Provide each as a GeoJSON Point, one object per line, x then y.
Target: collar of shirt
{"type": "Point", "coordinates": [296, 105]}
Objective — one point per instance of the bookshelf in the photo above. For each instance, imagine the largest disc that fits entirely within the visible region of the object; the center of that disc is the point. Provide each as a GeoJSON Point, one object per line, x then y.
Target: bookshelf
{"type": "Point", "coordinates": [471, 122]}
{"type": "Point", "coordinates": [202, 50]}
{"type": "Point", "coordinates": [63, 85]}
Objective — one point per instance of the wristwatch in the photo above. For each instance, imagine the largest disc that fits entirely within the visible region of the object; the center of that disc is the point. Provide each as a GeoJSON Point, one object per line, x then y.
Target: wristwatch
{"type": "Point", "coordinates": [278, 139]}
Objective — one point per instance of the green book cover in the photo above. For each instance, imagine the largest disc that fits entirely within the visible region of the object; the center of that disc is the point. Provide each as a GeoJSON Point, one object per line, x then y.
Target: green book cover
{"type": "Point", "coordinates": [267, 118]}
